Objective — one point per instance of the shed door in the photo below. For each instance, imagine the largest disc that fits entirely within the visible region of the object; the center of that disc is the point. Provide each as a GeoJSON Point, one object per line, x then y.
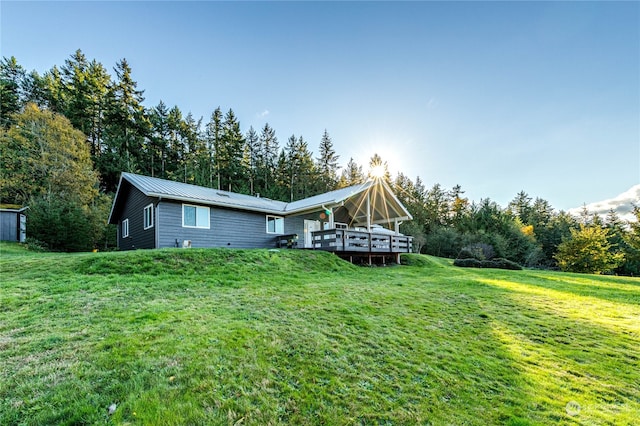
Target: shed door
{"type": "Point", "coordinates": [23, 228]}
{"type": "Point", "coordinates": [309, 227]}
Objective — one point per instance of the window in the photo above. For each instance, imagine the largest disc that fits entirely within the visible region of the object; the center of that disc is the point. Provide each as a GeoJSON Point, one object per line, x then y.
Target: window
{"type": "Point", "coordinates": [195, 216]}
{"type": "Point", "coordinates": [125, 228]}
{"type": "Point", "coordinates": [275, 225]}
{"type": "Point", "coordinates": [148, 216]}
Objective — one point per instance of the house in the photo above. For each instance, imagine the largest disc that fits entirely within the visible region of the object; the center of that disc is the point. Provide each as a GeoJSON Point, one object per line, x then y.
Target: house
{"type": "Point", "coordinates": [361, 220]}
{"type": "Point", "coordinates": [13, 223]}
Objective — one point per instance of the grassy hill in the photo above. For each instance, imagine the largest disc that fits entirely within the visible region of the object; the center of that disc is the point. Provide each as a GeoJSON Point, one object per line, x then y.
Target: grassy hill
{"type": "Point", "coordinates": [258, 337]}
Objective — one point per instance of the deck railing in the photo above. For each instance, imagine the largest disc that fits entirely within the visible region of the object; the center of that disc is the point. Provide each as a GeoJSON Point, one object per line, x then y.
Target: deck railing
{"type": "Point", "coordinates": [347, 240]}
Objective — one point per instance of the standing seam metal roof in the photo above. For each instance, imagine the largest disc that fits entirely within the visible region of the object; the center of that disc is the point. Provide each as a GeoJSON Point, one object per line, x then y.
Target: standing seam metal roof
{"type": "Point", "coordinates": [162, 188]}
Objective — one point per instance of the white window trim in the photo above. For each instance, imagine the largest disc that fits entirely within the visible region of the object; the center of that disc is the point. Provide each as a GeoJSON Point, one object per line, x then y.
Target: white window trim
{"type": "Point", "coordinates": [197, 207]}
{"type": "Point", "coordinates": [144, 216]}
{"type": "Point", "coordinates": [267, 224]}
{"type": "Point", "coordinates": [125, 228]}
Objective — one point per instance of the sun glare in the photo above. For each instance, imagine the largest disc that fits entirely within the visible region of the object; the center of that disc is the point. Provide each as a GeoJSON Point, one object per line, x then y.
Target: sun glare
{"type": "Point", "coordinates": [377, 171]}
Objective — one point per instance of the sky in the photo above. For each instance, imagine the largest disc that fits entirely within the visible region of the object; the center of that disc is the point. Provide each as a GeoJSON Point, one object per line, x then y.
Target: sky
{"type": "Point", "coordinates": [497, 97]}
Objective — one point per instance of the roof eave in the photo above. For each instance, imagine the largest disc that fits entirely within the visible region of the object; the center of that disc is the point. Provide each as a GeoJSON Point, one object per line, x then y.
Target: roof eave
{"type": "Point", "coordinates": [115, 199]}
{"type": "Point", "coordinates": [214, 203]}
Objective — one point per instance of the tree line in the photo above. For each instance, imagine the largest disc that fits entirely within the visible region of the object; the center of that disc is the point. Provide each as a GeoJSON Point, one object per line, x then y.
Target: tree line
{"type": "Point", "coordinates": [68, 134]}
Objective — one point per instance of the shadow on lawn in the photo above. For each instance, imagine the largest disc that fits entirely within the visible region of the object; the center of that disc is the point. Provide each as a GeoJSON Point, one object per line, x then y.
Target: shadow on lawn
{"type": "Point", "coordinates": [411, 356]}
{"type": "Point", "coordinates": [616, 289]}
{"type": "Point", "coordinates": [567, 358]}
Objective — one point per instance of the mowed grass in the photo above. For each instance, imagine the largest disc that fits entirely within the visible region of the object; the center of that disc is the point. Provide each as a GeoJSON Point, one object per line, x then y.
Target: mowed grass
{"type": "Point", "coordinates": [258, 337]}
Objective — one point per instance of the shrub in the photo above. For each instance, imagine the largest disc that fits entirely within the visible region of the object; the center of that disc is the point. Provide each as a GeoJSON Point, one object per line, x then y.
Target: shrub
{"type": "Point", "coordinates": [501, 263]}
{"type": "Point", "coordinates": [33, 244]}
{"type": "Point", "coordinates": [479, 251]}
{"type": "Point", "coordinates": [498, 263]}
{"type": "Point", "coordinates": [468, 263]}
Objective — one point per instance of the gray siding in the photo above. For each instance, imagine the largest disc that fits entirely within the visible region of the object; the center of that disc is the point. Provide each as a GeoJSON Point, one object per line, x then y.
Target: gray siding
{"type": "Point", "coordinates": [139, 238]}
{"type": "Point", "coordinates": [295, 225]}
{"type": "Point", "coordinates": [9, 226]}
{"type": "Point", "coordinates": [228, 228]}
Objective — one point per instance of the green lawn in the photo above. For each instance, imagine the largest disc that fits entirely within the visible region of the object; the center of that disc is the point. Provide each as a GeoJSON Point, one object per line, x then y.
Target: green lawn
{"type": "Point", "coordinates": [257, 337]}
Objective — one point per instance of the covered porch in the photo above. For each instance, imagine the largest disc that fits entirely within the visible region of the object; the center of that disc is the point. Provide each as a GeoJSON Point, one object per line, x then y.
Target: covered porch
{"type": "Point", "coordinates": [360, 224]}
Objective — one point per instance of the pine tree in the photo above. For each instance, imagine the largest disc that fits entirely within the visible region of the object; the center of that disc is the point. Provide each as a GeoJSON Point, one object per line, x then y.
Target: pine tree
{"type": "Point", "coordinates": [213, 137]}
{"type": "Point", "coordinates": [195, 153]}
{"type": "Point", "coordinates": [158, 146]}
{"type": "Point", "coordinates": [327, 164]}
{"type": "Point", "coordinates": [520, 207]}
{"type": "Point", "coordinates": [230, 155]}
{"type": "Point", "coordinates": [11, 81]}
{"type": "Point", "coordinates": [35, 90]}
{"type": "Point", "coordinates": [351, 175]}
{"type": "Point", "coordinates": [126, 128]}
{"type": "Point", "coordinates": [299, 171]}
{"type": "Point", "coordinates": [251, 157]}
{"type": "Point", "coordinates": [176, 148]}
{"type": "Point", "coordinates": [267, 160]}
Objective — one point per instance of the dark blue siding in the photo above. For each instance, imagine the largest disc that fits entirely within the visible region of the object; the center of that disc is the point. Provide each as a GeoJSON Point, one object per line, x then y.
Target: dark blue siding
{"type": "Point", "coordinates": [135, 202]}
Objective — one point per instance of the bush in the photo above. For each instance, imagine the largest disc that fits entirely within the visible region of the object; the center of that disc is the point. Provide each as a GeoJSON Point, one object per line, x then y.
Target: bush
{"type": "Point", "coordinates": [498, 263]}
{"type": "Point", "coordinates": [479, 251]}
{"type": "Point", "coordinates": [33, 244]}
{"type": "Point", "coordinates": [468, 263]}
{"type": "Point", "coordinates": [501, 263]}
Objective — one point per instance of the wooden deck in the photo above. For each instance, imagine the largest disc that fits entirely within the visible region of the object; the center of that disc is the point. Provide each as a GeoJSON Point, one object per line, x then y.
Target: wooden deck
{"type": "Point", "coordinates": [360, 245]}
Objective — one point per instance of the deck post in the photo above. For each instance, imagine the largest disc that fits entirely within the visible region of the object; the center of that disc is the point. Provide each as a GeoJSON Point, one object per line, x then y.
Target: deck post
{"type": "Point", "coordinates": [368, 211]}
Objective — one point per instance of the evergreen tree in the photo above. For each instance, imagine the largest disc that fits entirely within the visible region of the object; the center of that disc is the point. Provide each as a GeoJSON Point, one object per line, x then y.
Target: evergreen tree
{"type": "Point", "coordinates": [327, 164]}
{"type": "Point", "coordinates": [35, 90]}
{"type": "Point", "coordinates": [267, 160]}
{"type": "Point", "coordinates": [195, 152]}
{"type": "Point", "coordinates": [213, 136]}
{"type": "Point", "coordinates": [54, 89]}
{"type": "Point", "coordinates": [177, 149]}
{"type": "Point", "coordinates": [126, 128]}
{"type": "Point", "coordinates": [251, 157]}
{"type": "Point", "coordinates": [618, 237]}
{"type": "Point", "coordinates": [631, 265]}
{"type": "Point", "coordinates": [436, 208]}
{"type": "Point", "coordinates": [230, 155]}
{"type": "Point", "coordinates": [520, 207]}
{"type": "Point", "coordinates": [158, 143]}
{"type": "Point", "coordinates": [11, 80]}
{"type": "Point", "coordinates": [351, 175]}
{"type": "Point", "coordinates": [300, 169]}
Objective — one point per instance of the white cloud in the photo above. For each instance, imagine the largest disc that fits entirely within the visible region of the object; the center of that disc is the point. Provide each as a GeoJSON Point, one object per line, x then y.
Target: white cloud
{"type": "Point", "coordinates": [622, 204]}
{"type": "Point", "coordinates": [263, 113]}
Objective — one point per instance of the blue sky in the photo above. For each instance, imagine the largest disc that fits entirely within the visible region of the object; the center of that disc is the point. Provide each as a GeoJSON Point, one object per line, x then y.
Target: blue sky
{"type": "Point", "coordinates": [497, 97]}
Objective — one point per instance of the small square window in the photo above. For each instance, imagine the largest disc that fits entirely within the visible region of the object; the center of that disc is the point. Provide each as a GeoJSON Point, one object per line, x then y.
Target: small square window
{"type": "Point", "coordinates": [195, 216]}
{"type": "Point", "coordinates": [275, 225]}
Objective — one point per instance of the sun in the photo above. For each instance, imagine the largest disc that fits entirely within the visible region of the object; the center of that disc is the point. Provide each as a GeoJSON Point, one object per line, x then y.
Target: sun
{"type": "Point", "coordinates": [377, 171]}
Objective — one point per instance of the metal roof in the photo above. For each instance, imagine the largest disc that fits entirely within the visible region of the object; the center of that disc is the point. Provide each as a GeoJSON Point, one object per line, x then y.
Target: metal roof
{"type": "Point", "coordinates": [161, 188]}
{"type": "Point", "coordinates": [351, 197]}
